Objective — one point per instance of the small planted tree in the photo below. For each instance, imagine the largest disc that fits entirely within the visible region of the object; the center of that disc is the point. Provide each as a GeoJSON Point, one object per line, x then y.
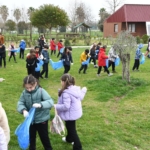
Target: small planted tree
{"type": "Point", "coordinates": [125, 44]}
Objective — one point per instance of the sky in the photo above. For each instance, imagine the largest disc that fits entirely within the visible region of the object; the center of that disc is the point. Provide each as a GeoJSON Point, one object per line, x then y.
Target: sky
{"type": "Point", "coordinates": [95, 5]}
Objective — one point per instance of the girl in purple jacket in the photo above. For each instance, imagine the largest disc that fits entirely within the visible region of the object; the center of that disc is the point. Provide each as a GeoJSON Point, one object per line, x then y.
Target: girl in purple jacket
{"type": "Point", "coordinates": [69, 108]}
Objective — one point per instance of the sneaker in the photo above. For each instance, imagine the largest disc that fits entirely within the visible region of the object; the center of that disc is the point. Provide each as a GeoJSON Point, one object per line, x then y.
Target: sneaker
{"type": "Point", "coordinates": [114, 72]}
{"type": "Point", "coordinates": [79, 71]}
{"type": "Point", "coordinates": [110, 74]}
{"type": "Point", "coordinates": [98, 75]}
{"type": "Point", "coordinates": [64, 140]}
{"type": "Point", "coordinates": [46, 78]}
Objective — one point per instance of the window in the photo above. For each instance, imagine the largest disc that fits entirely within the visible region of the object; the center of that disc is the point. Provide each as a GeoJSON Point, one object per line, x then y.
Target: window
{"type": "Point", "coordinates": [131, 27]}
{"type": "Point", "coordinates": [115, 27]}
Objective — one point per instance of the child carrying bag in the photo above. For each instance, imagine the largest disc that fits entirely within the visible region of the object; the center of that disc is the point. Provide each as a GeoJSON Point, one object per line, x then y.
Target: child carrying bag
{"type": "Point", "coordinates": [57, 125]}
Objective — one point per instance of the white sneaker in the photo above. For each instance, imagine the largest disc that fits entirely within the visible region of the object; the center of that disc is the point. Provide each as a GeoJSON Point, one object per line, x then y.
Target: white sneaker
{"type": "Point", "coordinates": [64, 140]}
{"type": "Point", "coordinates": [110, 74]}
{"type": "Point", "coordinates": [98, 75]}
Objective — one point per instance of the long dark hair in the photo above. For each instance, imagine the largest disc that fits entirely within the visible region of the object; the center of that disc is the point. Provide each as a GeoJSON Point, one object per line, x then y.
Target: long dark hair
{"type": "Point", "coordinates": [30, 79]}
{"type": "Point", "coordinates": [68, 80]}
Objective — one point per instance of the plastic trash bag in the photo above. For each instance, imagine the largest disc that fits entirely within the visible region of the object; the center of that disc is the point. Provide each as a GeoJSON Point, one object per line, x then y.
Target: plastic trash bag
{"type": "Point", "coordinates": [22, 131]}
{"type": "Point", "coordinates": [16, 50]}
{"type": "Point", "coordinates": [107, 63]}
{"type": "Point", "coordinates": [38, 68]}
{"type": "Point", "coordinates": [56, 65]}
{"type": "Point", "coordinates": [142, 61]}
{"type": "Point", "coordinates": [61, 50]}
{"type": "Point", "coordinates": [117, 61]}
{"type": "Point", "coordinates": [86, 62]}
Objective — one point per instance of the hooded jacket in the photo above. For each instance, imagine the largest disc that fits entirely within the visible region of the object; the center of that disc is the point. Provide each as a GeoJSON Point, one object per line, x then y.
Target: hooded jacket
{"type": "Point", "coordinates": [69, 103]}
{"type": "Point", "coordinates": [102, 57]}
{"type": "Point", "coordinates": [52, 45]}
{"type": "Point", "coordinates": [60, 45]}
{"type": "Point", "coordinates": [138, 51]}
{"type": "Point", "coordinates": [22, 44]}
{"type": "Point", "coordinates": [38, 95]}
{"type": "Point", "coordinates": [4, 123]}
{"type": "Point", "coordinates": [112, 55]}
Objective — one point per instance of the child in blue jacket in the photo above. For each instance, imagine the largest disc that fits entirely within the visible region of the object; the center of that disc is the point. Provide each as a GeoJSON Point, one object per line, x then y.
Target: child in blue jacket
{"type": "Point", "coordinates": [137, 57]}
{"type": "Point", "coordinates": [22, 48]}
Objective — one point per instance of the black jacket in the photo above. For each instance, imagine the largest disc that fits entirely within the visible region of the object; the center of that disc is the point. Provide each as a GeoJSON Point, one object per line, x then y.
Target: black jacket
{"type": "Point", "coordinates": [2, 51]}
{"type": "Point", "coordinates": [31, 62]}
{"type": "Point", "coordinates": [67, 59]}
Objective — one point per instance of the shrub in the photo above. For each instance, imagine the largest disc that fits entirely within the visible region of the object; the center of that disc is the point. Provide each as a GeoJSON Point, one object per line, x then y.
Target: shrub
{"type": "Point", "coordinates": [67, 42]}
{"type": "Point", "coordinates": [138, 39]}
{"type": "Point", "coordinates": [145, 38]}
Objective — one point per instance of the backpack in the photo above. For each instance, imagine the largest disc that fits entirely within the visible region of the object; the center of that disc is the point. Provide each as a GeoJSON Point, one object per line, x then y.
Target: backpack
{"type": "Point", "coordinates": [57, 125]}
{"type": "Point", "coordinates": [31, 63]}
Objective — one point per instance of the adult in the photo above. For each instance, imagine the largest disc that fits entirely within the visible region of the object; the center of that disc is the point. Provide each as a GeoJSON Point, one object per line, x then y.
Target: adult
{"type": "Point", "coordinates": [2, 40]}
{"type": "Point", "coordinates": [22, 46]}
{"type": "Point", "coordinates": [148, 47]}
{"type": "Point", "coordinates": [2, 55]}
{"type": "Point", "coordinates": [41, 43]}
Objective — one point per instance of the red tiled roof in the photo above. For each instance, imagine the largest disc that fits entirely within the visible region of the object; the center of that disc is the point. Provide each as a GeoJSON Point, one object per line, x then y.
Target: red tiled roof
{"type": "Point", "coordinates": [131, 13]}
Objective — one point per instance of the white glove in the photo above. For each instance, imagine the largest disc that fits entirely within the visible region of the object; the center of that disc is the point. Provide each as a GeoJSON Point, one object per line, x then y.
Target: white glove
{"type": "Point", "coordinates": [71, 63]}
{"type": "Point", "coordinates": [84, 89]}
{"type": "Point", "coordinates": [44, 58]}
{"type": "Point", "coordinates": [41, 56]}
{"type": "Point", "coordinates": [25, 113]}
{"type": "Point", "coordinates": [36, 105]}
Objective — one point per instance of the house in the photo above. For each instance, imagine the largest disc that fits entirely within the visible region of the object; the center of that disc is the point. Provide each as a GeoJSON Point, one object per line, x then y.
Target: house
{"type": "Point", "coordinates": [81, 27]}
{"type": "Point", "coordinates": [132, 17]}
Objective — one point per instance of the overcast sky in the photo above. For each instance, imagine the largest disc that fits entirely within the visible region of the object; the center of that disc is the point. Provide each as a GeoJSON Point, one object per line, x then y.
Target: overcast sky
{"type": "Point", "coordinates": [94, 5]}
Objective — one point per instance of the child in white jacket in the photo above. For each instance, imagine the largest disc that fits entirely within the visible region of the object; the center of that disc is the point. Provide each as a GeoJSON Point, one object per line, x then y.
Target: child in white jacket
{"type": "Point", "coordinates": [4, 129]}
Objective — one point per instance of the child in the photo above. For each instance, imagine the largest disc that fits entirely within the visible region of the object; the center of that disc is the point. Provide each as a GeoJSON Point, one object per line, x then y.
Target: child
{"type": "Point", "coordinates": [84, 56]}
{"type": "Point", "coordinates": [69, 108]}
{"type": "Point", "coordinates": [93, 55]}
{"type": "Point", "coordinates": [12, 53]}
{"type": "Point", "coordinates": [60, 45]}
{"type": "Point", "coordinates": [148, 47]}
{"type": "Point", "coordinates": [112, 55]}
{"type": "Point", "coordinates": [22, 46]}
{"type": "Point", "coordinates": [35, 96]}
{"type": "Point", "coordinates": [2, 55]}
{"type": "Point", "coordinates": [40, 58]}
{"type": "Point", "coordinates": [137, 58]}
{"type": "Point", "coordinates": [4, 129]}
{"type": "Point", "coordinates": [102, 61]}
{"type": "Point", "coordinates": [31, 62]}
{"type": "Point", "coordinates": [53, 46]}
{"type": "Point", "coordinates": [46, 61]}
{"type": "Point", "coordinates": [67, 59]}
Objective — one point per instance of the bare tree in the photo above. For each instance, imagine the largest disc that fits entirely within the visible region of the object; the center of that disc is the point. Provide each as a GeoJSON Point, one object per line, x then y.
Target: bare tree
{"type": "Point", "coordinates": [4, 12]}
{"type": "Point", "coordinates": [124, 44]}
{"type": "Point", "coordinates": [17, 14]}
{"type": "Point", "coordinates": [29, 12]}
{"type": "Point", "coordinates": [113, 4]}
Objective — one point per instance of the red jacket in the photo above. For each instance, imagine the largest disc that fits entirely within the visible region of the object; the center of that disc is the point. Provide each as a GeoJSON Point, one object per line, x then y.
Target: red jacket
{"type": "Point", "coordinates": [102, 57]}
{"type": "Point", "coordinates": [52, 45]}
{"type": "Point", "coordinates": [60, 45]}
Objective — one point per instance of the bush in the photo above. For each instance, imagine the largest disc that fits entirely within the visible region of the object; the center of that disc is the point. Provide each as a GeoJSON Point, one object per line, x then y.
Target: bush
{"type": "Point", "coordinates": [145, 38]}
{"type": "Point", "coordinates": [67, 43]}
{"type": "Point", "coordinates": [87, 40]}
{"type": "Point", "coordinates": [138, 39]}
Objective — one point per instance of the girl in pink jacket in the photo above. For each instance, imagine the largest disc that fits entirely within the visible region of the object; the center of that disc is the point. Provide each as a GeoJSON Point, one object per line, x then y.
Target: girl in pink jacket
{"type": "Point", "coordinates": [69, 108]}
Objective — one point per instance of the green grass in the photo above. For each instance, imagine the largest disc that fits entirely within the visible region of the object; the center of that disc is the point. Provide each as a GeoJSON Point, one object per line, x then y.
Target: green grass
{"type": "Point", "coordinates": [115, 114]}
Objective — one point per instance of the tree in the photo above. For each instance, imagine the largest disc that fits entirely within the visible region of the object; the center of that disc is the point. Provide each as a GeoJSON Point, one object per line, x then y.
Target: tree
{"type": "Point", "coordinates": [103, 15]}
{"type": "Point", "coordinates": [49, 16]}
{"type": "Point", "coordinates": [113, 4]}
{"type": "Point", "coordinates": [4, 12]}
{"type": "Point", "coordinates": [80, 13]}
{"type": "Point", "coordinates": [22, 26]}
{"type": "Point", "coordinates": [17, 14]}
{"type": "Point", "coordinates": [29, 12]}
{"type": "Point", "coordinates": [10, 25]}
{"type": "Point", "coordinates": [124, 44]}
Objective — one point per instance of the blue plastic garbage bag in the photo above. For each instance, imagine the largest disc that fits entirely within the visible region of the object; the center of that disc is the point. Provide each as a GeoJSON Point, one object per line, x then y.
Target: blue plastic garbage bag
{"type": "Point", "coordinates": [16, 50]}
{"type": "Point", "coordinates": [117, 61]}
{"type": "Point", "coordinates": [22, 131]}
{"type": "Point", "coordinates": [61, 50]}
{"type": "Point", "coordinates": [38, 68]}
{"type": "Point", "coordinates": [142, 61]}
{"type": "Point", "coordinates": [86, 62]}
{"type": "Point", "coordinates": [56, 65]}
{"type": "Point", "coordinates": [107, 63]}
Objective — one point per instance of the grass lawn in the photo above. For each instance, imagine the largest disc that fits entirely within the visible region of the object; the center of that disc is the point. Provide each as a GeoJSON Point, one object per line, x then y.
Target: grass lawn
{"type": "Point", "coordinates": [116, 115]}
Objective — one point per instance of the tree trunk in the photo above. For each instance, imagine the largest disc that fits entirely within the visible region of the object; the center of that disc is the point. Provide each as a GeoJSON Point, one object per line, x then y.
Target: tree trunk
{"type": "Point", "coordinates": [128, 68]}
{"type": "Point", "coordinates": [123, 66]}
{"type": "Point", "coordinates": [30, 32]}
